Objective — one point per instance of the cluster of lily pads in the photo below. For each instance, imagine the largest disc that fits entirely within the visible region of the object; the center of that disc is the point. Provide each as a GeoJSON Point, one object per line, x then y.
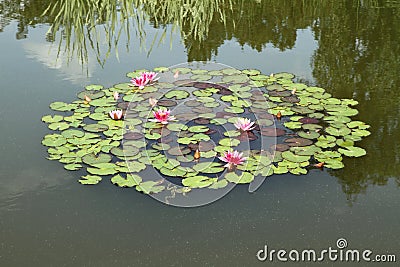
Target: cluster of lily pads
{"type": "Point", "coordinates": [201, 128]}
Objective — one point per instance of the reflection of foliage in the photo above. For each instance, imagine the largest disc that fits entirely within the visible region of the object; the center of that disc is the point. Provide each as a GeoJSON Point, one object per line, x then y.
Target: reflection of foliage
{"type": "Point", "coordinates": [80, 23]}
{"type": "Point", "coordinates": [361, 58]}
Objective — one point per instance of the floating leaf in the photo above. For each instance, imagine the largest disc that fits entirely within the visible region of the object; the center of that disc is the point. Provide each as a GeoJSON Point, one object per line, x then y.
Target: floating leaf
{"type": "Point", "coordinates": [177, 151]}
{"type": "Point", "coordinates": [244, 178]}
{"type": "Point", "coordinates": [198, 129]}
{"type": "Point", "coordinates": [131, 180]}
{"type": "Point", "coordinates": [149, 187]}
{"type": "Point", "coordinates": [229, 142]}
{"type": "Point", "coordinates": [90, 179]}
{"type": "Point", "coordinates": [290, 156]}
{"type": "Point", "coordinates": [54, 140]}
{"type": "Point", "coordinates": [95, 128]}
{"type": "Point", "coordinates": [297, 141]}
{"type": "Point", "coordinates": [176, 127]}
{"type": "Point", "coordinates": [293, 124]}
{"type": "Point", "coordinates": [337, 132]}
{"type": "Point", "coordinates": [92, 158]}
{"type": "Point", "coordinates": [177, 94]}
{"type": "Point", "coordinates": [308, 134]}
{"type": "Point", "coordinates": [219, 184]}
{"type": "Point", "coordinates": [72, 166]}
{"type": "Point", "coordinates": [208, 167]}
{"type": "Point", "coordinates": [198, 181]}
{"type": "Point", "coordinates": [52, 119]}
{"type": "Point", "coordinates": [352, 151]}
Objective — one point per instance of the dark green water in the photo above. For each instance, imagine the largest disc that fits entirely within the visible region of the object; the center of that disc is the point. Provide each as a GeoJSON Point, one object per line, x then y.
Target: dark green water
{"type": "Point", "coordinates": [350, 48]}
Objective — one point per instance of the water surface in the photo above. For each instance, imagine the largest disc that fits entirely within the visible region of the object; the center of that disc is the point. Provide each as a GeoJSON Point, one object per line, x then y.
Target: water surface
{"type": "Point", "coordinates": [48, 219]}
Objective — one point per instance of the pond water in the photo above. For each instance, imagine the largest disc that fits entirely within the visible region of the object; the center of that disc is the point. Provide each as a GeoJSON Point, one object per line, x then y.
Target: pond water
{"type": "Point", "coordinates": [47, 218]}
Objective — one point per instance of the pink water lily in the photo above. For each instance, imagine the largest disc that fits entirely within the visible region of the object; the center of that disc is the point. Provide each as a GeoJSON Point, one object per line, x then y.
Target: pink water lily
{"type": "Point", "coordinates": [116, 114]}
{"type": "Point", "coordinates": [150, 76]}
{"type": "Point", "coordinates": [244, 124]}
{"type": "Point", "coordinates": [163, 116]}
{"type": "Point", "coordinates": [116, 95]}
{"type": "Point", "coordinates": [232, 158]}
{"type": "Point", "coordinates": [140, 81]}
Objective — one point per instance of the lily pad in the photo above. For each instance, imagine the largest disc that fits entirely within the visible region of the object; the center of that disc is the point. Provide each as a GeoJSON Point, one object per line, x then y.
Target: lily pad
{"type": "Point", "coordinates": [198, 181]}
{"type": "Point", "coordinates": [92, 158]}
{"type": "Point", "coordinates": [90, 179]}
{"type": "Point", "coordinates": [130, 180]}
{"type": "Point", "coordinates": [244, 178]}
{"type": "Point", "coordinates": [149, 187]}
{"type": "Point", "coordinates": [177, 94]}
{"type": "Point", "coordinates": [95, 128]}
{"type": "Point", "coordinates": [352, 151]}
{"type": "Point", "coordinates": [298, 141]}
{"type": "Point", "coordinates": [290, 156]}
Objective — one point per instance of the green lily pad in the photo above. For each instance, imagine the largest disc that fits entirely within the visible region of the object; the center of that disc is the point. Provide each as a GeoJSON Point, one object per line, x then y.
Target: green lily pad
{"type": "Point", "coordinates": [94, 87]}
{"type": "Point", "coordinates": [90, 179]}
{"type": "Point", "coordinates": [244, 178]}
{"type": "Point", "coordinates": [229, 142]}
{"type": "Point", "coordinates": [52, 119]}
{"type": "Point", "coordinates": [73, 166]}
{"type": "Point", "coordinates": [91, 159]}
{"type": "Point", "coordinates": [305, 150]}
{"type": "Point", "coordinates": [54, 140]}
{"type": "Point", "coordinates": [130, 180]}
{"type": "Point", "coordinates": [58, 126]}
{"type": "Point", "coordinates": [208, 167]}
{"type": "Point", "coordinates": [325, 141]}
{"type": "Point", "coordinates": [95, 128]}
{"type": "Point", "coordinates": [72, 133]}
{"type": "Point", "coordinates": [178, 151]}
{"type": "Point", "coordinates": [352, 151]}
{"type": "Point", "coordinates": [176, 127]}
{"type": "Point", "coordinates": [186, 140]}
{"type": "Point", "coordinates": [175, 172]}
{"type": "Point", "coordinates": [201, 77]}
{"type": "Point", "coordinates": [236, 110]}
{"type": "Point", "coordinates": [150, 187]}
{"type": "Point", "coordinates": [219, 184]}
{"type": "Point", "coordinates": [61, 106]}
{"type": "Point", "coordinates": [198, 181]}
{"type": "Point", "coordinates": [293, 124]}
{"type": "Point", "coordinates": [232, 133]}
{"type": "Point", "coordinates": [177, 94]}
{"type": "Point", "coordinates": [290, 156]}
{"type": "Point", "coordinates": [91, 94]}
{"type": "Point", "coordinates": [308, 134]}
{"type": "Point", "coordinates": [101, 171]}
{"type": "Point", "coordinates": [337, 132]}
{"type": "Point", "coordinates": [198, 129]}
{"type": "Point", "coordinates": [344, 143]}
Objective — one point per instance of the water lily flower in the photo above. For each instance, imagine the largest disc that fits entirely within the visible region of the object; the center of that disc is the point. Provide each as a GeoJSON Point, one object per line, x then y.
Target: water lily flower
{"type": "Point", "coordinates": [279, 115]}
{"type": "Point", "coordinates": [176, 75]}
{"type": "Point", "coordinates": [232, 158]}
{"type": "Point", "coordinates": [196, 154]}
{"type": "Point", "coordinates": [87, 99]}
{"type": "Point", "coordinates": [116, 95]}
{"type": "Point", "coordinates": [116, 114]}
{"type": "Point", "coordinates": [153, 102]}
{"type": "Point", "coordinates": [140, 81]}
{"type": "Point", "coordinates": [163, 116]}
{"type": "Point", "coordinates": [150, 76]}
{"type": "Point", "coordinates": [244, 124]}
